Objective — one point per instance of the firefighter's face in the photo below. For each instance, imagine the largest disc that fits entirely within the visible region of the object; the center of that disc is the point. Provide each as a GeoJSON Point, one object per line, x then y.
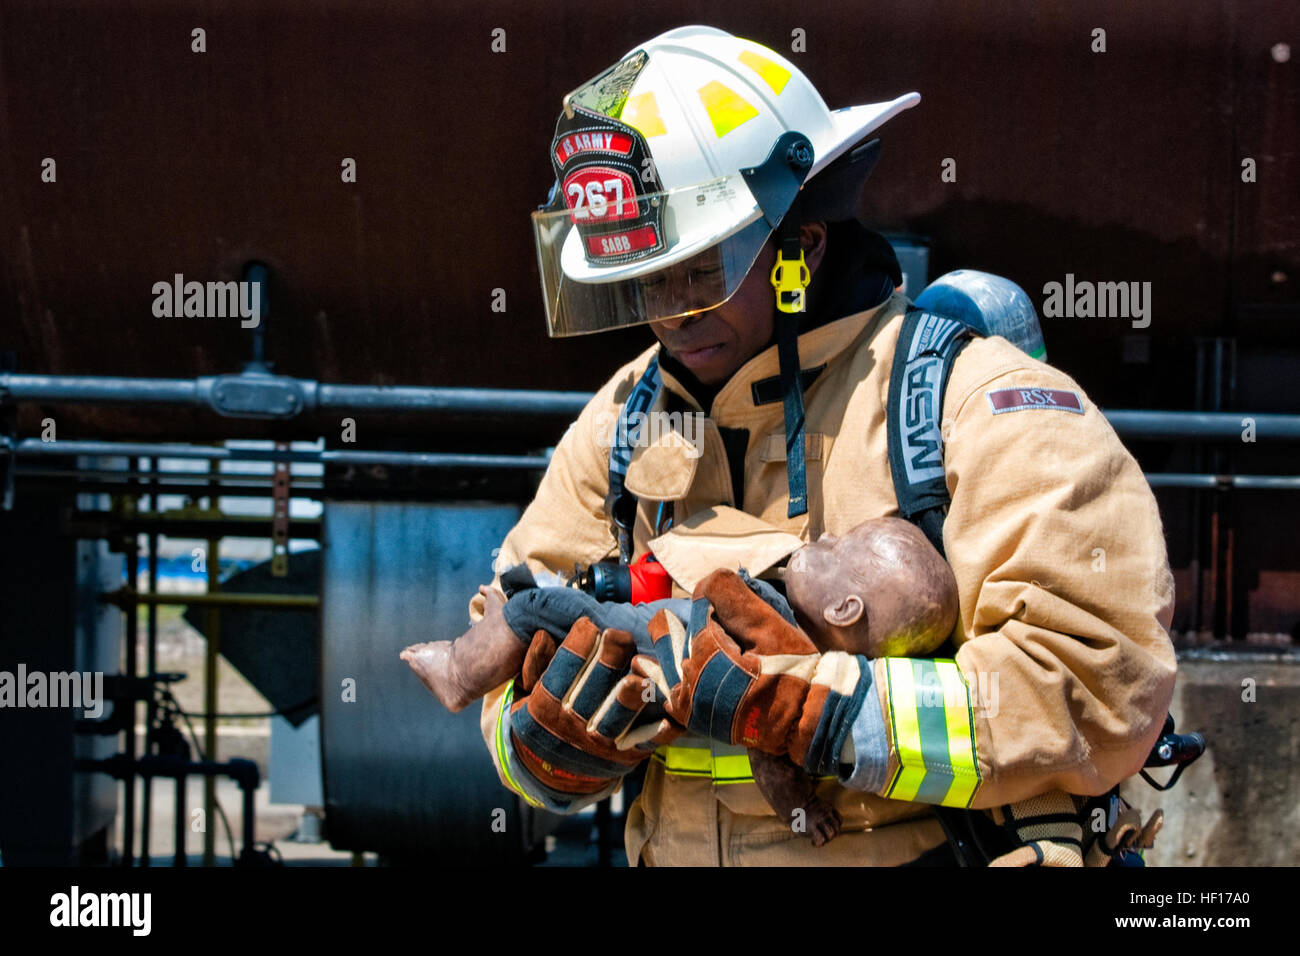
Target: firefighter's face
{"type": "Point", "coordinates": [715, 343]}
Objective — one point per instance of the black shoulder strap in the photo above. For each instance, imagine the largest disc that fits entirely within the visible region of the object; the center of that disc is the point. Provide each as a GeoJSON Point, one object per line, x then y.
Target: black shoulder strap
{"type": "Point", "coordinates": [923, 359]}
{"type": "Point", "coordinates": [621, 503]}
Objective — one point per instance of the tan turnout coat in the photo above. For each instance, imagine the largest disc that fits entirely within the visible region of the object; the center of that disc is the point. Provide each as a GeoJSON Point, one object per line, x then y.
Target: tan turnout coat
{"type": "Point", "coordinates": [1053, 535]}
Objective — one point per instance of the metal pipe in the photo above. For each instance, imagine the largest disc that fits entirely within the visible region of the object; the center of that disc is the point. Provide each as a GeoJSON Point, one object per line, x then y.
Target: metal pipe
{"type": "Point", "coordinates": [258, 273]}
{"type": "Point", "coordinates": [234, 485]}
{"type": "Point", "coordinates": [1223, 482]}
{"type": "Point", "coordinates": [237, 478]}
{"type": "Point", "coordinates": [1207, 426]}
{"type": "Point", "coordinates": [243, 772]}
{"type": "Point", "coordinates": [179, 857]}
{"type": "Point", "coordinates": [414, 459]}
{"type": "Point", "coordinates": [309, 528]}
{"type": "Point", "coordinates": [151, 668]}
{"type": "Point", "coordinates": [102, 524]}
{"type": "Point", "coordinates": [71, 448]}
{"type": "Point", "coordinates": [1221, 426]}
{"type": "Point", "coordinates": [436, 400]}
{"type": "Point", "coordinates": [109, 390]}
{"type": "Point", "coordinates": [132, 638]}
{"type": "Point", "coordinates": [1196, 520]}
{"type": "Point", "coordinates": [433, 400]}
{"type": "Point", "coordinates": [229, 488]}
{"type": "Point", "coordinates": [212, 635]}
{"type": "Point", "coordinates": [126, 597]}
{"type": "Point", "coordinates": [249, 821]}
{"type": "Point", "coordinates": [1218, 504]}
{"type": "Point", "coordinates": [447, 401]}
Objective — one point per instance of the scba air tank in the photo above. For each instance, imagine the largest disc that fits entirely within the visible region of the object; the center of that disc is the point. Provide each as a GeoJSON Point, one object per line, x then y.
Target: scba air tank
{"type": "Point", "coordinates": [992, 305]}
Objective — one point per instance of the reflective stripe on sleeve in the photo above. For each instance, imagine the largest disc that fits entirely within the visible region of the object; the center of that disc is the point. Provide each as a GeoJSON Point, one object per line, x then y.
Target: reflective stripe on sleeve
{"type": "Point", "coordinates": [503, 753]}
{"type": "Point", "coordinates": [932, 727]}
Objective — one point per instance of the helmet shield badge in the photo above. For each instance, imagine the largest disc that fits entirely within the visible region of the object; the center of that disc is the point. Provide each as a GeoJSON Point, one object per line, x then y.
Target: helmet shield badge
{"type": "Point", "coordinates": [605, 177]}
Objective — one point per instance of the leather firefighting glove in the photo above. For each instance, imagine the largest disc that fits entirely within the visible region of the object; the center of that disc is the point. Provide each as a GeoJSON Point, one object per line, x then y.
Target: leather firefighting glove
{"type": "Point", "coordinates": [575, 729]}
{"type": "Point", "coordinates": [742, 674]}
{"type": "Point", "coordinates": [555, 610]}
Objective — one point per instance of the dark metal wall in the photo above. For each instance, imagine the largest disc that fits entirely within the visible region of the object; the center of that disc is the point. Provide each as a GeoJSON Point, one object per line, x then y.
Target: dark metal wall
{"type": "Point", "coordinates": [1116, 166]}
{"type": "Point", "coordinates": [1121, 165]}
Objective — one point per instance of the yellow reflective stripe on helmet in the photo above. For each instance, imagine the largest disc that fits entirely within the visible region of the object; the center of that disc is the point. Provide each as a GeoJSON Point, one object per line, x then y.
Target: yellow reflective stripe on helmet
{"type": "Point", "coordinates": [503, 757]}
{"type": "Point", "coordinates": [932, 726]}
{"type": "Point", "coordinates": [641, 112]}
{"type": "Point", "coordinates": [727, 109]}
{"type": "Point", "coordinates": [773, 74]}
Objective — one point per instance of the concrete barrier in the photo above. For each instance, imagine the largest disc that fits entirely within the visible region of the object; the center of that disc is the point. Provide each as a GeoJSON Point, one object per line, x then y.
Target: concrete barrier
{"type": "Point", "coordinates": [1239, 804]}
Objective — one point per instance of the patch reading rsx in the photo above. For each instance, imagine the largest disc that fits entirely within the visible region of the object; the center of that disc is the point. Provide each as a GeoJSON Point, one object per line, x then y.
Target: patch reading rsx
{"type": "Point", "coordinates": [1019, 399]}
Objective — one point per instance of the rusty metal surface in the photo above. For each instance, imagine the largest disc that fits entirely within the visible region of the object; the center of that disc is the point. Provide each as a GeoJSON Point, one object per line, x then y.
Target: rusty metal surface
{"type": "Point", "coordinates": [1117, 165]}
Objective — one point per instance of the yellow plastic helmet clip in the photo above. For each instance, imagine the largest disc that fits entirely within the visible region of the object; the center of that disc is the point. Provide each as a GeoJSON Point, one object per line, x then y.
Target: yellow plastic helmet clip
{"type": "Point", "coordinates": [790, 279]}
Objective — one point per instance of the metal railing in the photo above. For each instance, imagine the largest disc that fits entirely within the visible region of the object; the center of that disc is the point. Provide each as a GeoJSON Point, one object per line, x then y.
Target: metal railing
{"type": "Point", "coordinates": [258, 394]}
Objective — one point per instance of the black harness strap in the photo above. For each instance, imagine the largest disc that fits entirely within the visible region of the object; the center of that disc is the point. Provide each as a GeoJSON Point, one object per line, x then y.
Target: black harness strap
{"type": "Point", "coordinates": [923, 359]}
{"type": "Point", "coordinates": [927, 346]}
{"type": "Point", "coordinates": [787, 347]}
{"type": "Point", "coordinates": [621, 504]}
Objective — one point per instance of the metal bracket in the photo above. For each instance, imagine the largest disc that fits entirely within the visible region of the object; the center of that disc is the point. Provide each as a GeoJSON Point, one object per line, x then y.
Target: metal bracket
{"type": "Point", "coordinates": [280, 516]}
{"type": "Point", "coordinates": [256, 395]}
{"type": "Point", "coordinates": [776, 181]}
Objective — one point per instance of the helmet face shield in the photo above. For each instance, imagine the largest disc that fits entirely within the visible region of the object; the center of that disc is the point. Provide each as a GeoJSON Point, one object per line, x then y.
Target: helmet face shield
{"type": "Point", "coordinates": [609, 259]}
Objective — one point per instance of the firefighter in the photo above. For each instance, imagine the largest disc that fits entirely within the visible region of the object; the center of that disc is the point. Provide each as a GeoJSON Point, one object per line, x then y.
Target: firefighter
{"type": "Point", "coordinates": [704, 188]}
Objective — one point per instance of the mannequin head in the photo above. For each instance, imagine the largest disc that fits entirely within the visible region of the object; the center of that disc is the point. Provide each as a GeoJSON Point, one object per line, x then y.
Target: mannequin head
{"type": "Point", "coordinates": [880, 590]}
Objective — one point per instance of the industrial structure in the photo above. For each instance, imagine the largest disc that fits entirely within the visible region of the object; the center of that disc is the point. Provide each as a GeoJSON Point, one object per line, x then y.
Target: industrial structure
{"type": "Point", "coordinates": [393, 404]}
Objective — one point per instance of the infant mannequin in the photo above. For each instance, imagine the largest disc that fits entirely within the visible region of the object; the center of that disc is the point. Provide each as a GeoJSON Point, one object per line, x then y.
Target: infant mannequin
{"type": "Point", "coordinates": [879, 590]}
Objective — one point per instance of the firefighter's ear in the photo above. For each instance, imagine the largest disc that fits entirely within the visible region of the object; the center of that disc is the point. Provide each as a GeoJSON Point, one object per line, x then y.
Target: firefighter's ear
{"type": "Point", "coordinates": [844, 613]}
{"type": "Point", "coordinates": [812, 239]}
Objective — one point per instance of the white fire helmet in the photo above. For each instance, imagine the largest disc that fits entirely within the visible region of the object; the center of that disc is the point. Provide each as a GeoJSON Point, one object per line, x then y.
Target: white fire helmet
{"type": "Point", "coordinates": [672, 169]}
